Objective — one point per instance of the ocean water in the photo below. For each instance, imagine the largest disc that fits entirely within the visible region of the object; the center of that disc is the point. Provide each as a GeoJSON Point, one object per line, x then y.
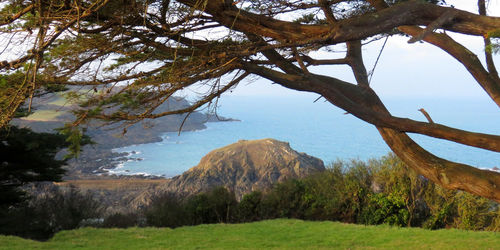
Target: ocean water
{"type": "Point", "coordinates": [316, 128]}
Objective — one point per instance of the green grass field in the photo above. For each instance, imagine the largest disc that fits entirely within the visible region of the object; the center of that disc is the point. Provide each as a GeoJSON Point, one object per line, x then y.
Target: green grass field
{"type": "Point", "coordinates": [278, 234]}
{"type": "Point", "coordinates": [44, 115]}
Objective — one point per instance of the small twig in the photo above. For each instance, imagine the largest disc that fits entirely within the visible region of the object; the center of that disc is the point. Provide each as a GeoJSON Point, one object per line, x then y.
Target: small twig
{"type": "Point", "coordinates": [184, 121]}
{"type": "Point", "coordinates": [299, 60]}
{"type": "Point", "coordinates": [426, 115]}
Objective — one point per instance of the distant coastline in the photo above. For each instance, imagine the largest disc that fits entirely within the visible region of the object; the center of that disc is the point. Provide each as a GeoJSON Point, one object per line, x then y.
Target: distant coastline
{"type": "Point", "coordinates": [95, 161]}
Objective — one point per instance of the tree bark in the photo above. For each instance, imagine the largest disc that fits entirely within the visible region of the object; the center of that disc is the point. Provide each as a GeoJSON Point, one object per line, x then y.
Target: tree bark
{"type": "Point", "coordinates": [413, 12]}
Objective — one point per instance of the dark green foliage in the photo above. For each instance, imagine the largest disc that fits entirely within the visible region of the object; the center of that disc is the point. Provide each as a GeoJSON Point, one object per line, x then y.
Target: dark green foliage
{"type": "Point", "coordinates": [401, 201]}
{"type": "Point", "coordinates": [223, 204]}
{"type": "Point", "coordinates": [441, 205]}
{"type": "Point", "coordinates": [48, 212]}
{"type": "Point", "coordinates": [381, 191]}
{"type": "Point", "coordinates": [285, 201]}
{"type": "Point", "coordinates": [216, 206]}
{"type": "Point", "coordinates": [166, 210]}
{"type": "Point", "coordinates": [440, 218]}
{"type": "Point", "coordinates": [26, 157]}
{"type": "Point", "coordinates": [75, 139]}
{"type": "Point", "coordinates": [385, 209]}
{"type": "Point", "coordinates": [11, 86]}
{"type": "Point", "coordinates": [249, 208]}
{"type": "Point", "coordinates": [338, 193]}
{"type": "Point", "coordinates": [119, 220]}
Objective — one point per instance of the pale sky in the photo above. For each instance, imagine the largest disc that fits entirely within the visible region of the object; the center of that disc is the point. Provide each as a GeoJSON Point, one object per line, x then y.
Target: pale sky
{"type": "Point", "coordinates": [413, 70]}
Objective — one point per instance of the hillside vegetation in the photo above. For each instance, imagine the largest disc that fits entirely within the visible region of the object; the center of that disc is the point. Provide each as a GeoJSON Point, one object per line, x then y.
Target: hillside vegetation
{"type": "Point", "coordinates": [282, 234]}
{"type": "Point", "coordinates": [377, 192]}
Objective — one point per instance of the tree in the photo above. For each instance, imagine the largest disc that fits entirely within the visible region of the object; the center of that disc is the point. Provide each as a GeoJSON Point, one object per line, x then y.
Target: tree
{"type": "Point", "coordinates": [160, 47]}
{"type": "Point", "coordinates": [26, 157]}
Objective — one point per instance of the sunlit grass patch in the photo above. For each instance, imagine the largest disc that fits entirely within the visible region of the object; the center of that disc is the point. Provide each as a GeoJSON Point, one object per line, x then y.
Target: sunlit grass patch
{"type": "Point", "coordinates": [44, 115]}
{"type": "Point", "coordinates": [278, 234]}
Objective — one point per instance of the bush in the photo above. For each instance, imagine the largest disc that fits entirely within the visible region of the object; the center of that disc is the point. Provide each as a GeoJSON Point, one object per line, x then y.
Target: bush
{"type": "Point", "coordinates": [223, 204]}
{"type": "Point", "coordinates": [441, 205]}
{"type": "Point", "coordinates": [250, 206]}
{"type": "Point", "coordinates": [119, 220]}
{"type": "Point", "coordinates": [217, 206]}
{"type": "Point", "coordinates": [382, 191]}
{"type": "Point", "coordinates": [384, 209]}
{"type": "Point", "coordinates": [166, 210]}
{"type": "Point", "coordinates": [474, 212]}
{"type": "Point", "coordinates": [49, 212]}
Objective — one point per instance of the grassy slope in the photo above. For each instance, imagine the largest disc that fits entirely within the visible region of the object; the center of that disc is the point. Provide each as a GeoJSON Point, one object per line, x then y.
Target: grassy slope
{"type": "Point", "coordinates": [57, 104]}
{"type": "Point", "coordinates": [280, 234]}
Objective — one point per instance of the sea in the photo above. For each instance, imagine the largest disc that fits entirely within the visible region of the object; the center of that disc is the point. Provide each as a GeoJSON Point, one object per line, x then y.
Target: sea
{"type": "Point", "coordinates": [314, 127]}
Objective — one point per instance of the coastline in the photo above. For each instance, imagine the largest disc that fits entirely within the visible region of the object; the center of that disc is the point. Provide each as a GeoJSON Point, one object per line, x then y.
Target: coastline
{"type": "Point", "coordinates": [104, 161]}
{"type": "Point", "coordinates": [128, 155]}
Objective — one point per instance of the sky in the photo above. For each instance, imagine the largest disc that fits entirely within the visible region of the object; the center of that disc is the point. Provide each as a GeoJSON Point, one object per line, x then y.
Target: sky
{"type": "Point", "coordinates": [404, 70]}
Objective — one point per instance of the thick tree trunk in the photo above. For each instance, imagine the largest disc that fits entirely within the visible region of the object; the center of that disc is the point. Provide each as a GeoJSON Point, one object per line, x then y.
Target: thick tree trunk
{"type": "Point", "coordinates": [362, 102]}
{"type": "Point", "coordinates": [448, 174]}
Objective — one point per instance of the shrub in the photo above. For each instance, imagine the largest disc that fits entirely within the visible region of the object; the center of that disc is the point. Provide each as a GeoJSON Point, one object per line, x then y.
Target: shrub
{"type": "Point", "coordinates": [119, 220]}
{"type": "Point", "coordinates": [403, 188]}
{"type": "Point", "coordinates": [441, 205]}
{"type": "Point", "coordinates": [287, 200]}
{"type": "Point", "coordinates": [384, 209]}
{"type": "Point", "coordinates": [49, 212]}
{"type": "Point", "coordinates": [473, 212]}
{"type": "Point", "coordinates": [249, 208]}
{"type": "Point", "coordinates": [223, 204]}
{"type": "Point", "coordinates": [166, 210]}
{"type": "Point", "coordinates": [381, 191]}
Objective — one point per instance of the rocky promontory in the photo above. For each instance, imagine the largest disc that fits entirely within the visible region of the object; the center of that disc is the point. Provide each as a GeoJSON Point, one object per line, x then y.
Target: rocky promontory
{"type": "Point", "coordinates": [243, 167]}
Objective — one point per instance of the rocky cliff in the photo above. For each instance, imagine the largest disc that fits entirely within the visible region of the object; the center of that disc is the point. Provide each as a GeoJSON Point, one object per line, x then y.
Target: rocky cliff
{"type": "Point", "coordinates": [243, 167]}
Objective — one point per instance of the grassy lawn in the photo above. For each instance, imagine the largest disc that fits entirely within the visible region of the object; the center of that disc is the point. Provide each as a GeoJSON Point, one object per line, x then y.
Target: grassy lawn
{"type": "Point", "coordinates": [43, 115]}
{"type": "Point", "coordinates": [278, 234]}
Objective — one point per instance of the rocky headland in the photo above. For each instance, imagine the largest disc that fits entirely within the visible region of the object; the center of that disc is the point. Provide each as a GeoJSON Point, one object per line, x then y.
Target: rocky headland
{"type": "Point", "coordinates": [242, 167]}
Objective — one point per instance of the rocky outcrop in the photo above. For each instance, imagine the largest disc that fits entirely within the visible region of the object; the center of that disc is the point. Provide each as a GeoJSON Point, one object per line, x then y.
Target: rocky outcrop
{"type": "Point", "coordinates": [243, 167]}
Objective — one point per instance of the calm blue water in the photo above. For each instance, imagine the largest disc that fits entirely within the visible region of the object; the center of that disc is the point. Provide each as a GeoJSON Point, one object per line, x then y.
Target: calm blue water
{"type": "Point", "coordinates": [318, 129]}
